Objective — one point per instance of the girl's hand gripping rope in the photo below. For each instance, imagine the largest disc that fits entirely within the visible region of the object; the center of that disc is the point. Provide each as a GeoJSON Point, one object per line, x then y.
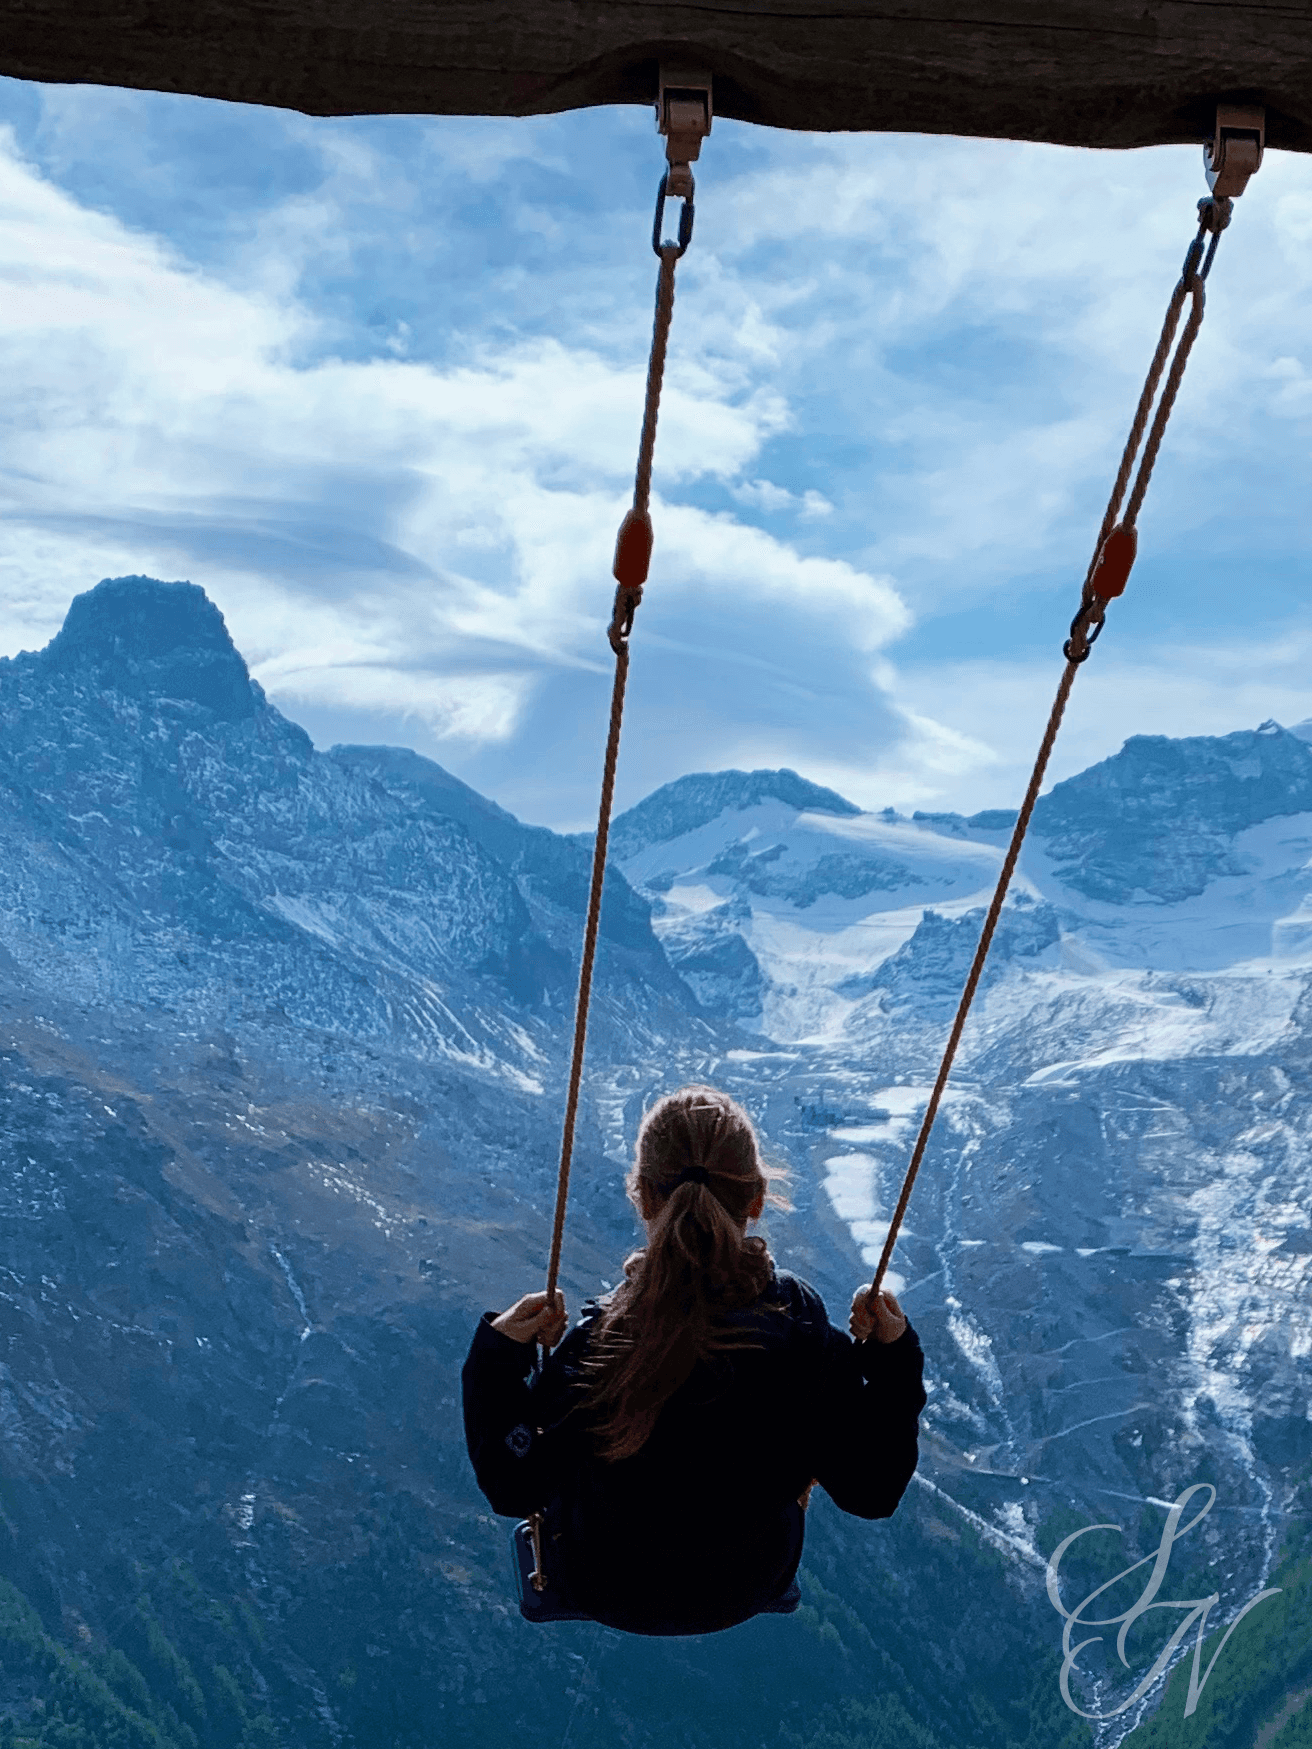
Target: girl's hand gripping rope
{"type": "Point", "coordinates": [533, 1319]}
{"type": "Point", "coordinates": [885, 1322]}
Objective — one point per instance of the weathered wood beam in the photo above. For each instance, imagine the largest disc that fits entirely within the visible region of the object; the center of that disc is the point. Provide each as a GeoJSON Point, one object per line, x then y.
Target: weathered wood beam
{"type": "Point", "coordinates": [1076, 72]}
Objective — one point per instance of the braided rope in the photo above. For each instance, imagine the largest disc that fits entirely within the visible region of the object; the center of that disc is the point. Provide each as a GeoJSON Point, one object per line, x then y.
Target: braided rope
{"type": "Point", "coordinates": [589, 956]}
{"type": "Point", "coordinates": [660, 340]}
{"type": "Point", "coordinates": [977, 964]}
{"type": "Point", "coordinates": [1167, 403]}
{"type": "Point", "coordinates": [628, 594]}
{"type": "Point", "coordinates": [1140, 423]}
{"type": "Point", "coordinates": [1214, 216]}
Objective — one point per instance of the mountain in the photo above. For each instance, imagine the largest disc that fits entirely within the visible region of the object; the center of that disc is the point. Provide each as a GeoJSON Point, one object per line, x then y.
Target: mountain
{"type": "Point", "coordinates": [283, 1037]}
{"type": "Point", "coordinates": [923, 979]}
{"type": "Point", "coordinates": [1162, 819]}
{"type": "Point", "coordinates": [175, 842]}
{"type": "Point", "coordinates": [283, 1042]}
{"type": "Point", "coordinates": [817, 892]}
{"type": "Point", "coordinates": [678, 808]}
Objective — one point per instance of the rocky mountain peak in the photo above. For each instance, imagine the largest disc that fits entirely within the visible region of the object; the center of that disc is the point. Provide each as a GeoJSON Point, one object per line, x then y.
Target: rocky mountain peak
{"type": "Point", "coordinates": [151, 640]}
{"type": "Point", "coordinates": [693, 801]}
{"type": "Point", "coordinates": [1160, 817]}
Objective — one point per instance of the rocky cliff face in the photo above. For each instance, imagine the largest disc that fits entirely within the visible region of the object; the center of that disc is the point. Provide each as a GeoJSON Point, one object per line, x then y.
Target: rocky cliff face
{"type": "Point", "coordinates": [1163, 819]}
{"type": "Point", "coordinates": [282, 1040]}
{"type": "Point", "coordinates": [175, 844]}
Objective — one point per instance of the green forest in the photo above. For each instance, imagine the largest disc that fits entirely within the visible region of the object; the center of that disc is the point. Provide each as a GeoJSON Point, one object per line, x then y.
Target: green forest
{"type": "Point", "coordinates": [143, 1693]}
{"type": "Point", "coordinates": [1267, 1661]}
{"type": "Point", "coordinates": [181, 1669]}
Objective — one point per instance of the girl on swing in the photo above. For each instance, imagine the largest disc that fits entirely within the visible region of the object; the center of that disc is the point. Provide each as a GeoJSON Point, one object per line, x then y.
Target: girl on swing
{"type": "Point", "coordinates": [674, 1433]}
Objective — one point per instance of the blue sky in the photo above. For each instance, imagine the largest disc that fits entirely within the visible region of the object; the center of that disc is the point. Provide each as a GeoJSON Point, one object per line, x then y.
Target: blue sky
{"type": "Point", "coordinates": [376, 385]}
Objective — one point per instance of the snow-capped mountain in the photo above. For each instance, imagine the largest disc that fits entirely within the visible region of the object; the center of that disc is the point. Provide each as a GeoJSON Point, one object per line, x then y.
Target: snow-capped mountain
{"type": "Point", "coordinates": [1174, 855]}
{"type": "Point", "coordinates": [818, 892]}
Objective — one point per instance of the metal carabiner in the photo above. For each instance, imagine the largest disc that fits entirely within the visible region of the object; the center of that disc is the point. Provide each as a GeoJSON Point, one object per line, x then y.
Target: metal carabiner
{"type": "Point", "coordinates": [1086, 628]}
{"type": "Point", "coordinates": [660, 244]}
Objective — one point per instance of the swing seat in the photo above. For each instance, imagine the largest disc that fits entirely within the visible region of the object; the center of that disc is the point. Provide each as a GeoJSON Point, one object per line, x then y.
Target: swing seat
{"type": "Point", "coordinates": [551, 1603]}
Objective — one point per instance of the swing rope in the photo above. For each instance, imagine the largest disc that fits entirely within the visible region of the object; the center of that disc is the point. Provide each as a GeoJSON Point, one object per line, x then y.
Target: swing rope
{"type": "Point", "coordinates": [632, 561]}
{"type": "Point", "coordinates": [1108, 573]}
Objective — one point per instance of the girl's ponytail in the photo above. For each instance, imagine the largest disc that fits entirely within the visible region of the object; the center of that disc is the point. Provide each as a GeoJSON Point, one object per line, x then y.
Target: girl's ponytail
{"type": "Point", "coordinates": [696, 1179]}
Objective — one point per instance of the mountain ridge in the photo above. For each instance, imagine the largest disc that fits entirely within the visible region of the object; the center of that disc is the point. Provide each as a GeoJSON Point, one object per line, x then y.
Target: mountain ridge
{"type": "Point", "coordinates": [377, 874]}
{"type": "Point", "coordinates": [688, 802]}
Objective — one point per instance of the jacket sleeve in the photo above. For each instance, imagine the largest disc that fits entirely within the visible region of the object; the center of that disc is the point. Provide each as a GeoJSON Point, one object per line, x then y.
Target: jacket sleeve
{"type": "Point", "coordinates": [508, 1419]}
{"type": "Point", "coordinates": [868, 1419]}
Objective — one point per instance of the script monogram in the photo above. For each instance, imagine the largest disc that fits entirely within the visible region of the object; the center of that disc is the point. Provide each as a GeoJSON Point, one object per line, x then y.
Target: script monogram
{"type": "Point", "coordinates": [1197, 1608]}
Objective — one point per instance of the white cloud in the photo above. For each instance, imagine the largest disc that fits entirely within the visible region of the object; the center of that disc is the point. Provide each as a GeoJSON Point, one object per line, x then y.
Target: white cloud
{"type": "Point", "coordinates": [993, 306]}
{"type": "Point", "coordinates": [765, 495]}
{"type": "Point", "coordinates": [455, 707]}
{"type": "Point", "coordinates": [777, 500]}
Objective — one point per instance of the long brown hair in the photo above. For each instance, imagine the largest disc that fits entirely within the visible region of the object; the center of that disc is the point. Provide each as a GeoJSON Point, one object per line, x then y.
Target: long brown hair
{"type": "Point", "coordinates": [668, 1312]}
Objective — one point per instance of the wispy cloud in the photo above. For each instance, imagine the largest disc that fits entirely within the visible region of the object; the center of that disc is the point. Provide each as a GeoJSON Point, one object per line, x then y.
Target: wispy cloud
{"type": "Point", "coordinates": [382, 399]}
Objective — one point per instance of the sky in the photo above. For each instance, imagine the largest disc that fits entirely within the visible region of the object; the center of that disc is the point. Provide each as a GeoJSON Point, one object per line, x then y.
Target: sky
{"type": "Point", "coordinates": [376, 385]}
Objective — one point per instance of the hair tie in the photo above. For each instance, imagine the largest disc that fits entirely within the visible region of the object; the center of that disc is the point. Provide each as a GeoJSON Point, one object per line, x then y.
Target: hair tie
{"type": "Point", "coordinates": [694, 1175]}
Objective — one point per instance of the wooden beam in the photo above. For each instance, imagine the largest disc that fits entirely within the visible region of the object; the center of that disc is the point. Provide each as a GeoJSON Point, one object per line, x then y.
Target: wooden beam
{"type": "Point", "coordinates": [1076, 72]}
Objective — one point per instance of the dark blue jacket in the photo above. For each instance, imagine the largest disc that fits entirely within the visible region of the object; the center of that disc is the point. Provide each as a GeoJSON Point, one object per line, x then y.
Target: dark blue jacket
{"type": "Point", "coordinates": [701, 1524]}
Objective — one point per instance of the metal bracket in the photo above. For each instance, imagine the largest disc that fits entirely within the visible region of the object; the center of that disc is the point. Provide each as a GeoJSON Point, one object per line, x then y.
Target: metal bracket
{"type": "Point", "coordinates": [538, 1576]}
{"type": "Point", "coordinates": [684, 115]}
{"type": "Point", "coordinates": [1235, 152]}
